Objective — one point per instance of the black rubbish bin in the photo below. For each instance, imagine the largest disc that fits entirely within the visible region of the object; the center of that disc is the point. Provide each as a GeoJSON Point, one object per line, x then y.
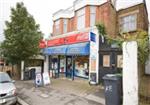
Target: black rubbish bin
{"type": "Point", "coordinates": [32, 74]}
{"type": "Point", "coordinates": [113, 89]}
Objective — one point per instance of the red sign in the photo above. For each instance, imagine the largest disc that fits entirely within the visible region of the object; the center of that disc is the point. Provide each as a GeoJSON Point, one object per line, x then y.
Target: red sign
{"type": "Point", "coordinates": [42, 44]}
{"type": "Point", "coordinates": [75, 38]}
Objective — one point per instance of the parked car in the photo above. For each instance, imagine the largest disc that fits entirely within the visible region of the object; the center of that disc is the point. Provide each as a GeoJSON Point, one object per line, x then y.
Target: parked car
{"type": "Point", "coordinates": [8, 94]}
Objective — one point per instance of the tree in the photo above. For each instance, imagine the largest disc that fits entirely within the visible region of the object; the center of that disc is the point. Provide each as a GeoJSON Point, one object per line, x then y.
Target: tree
{"type": "Point", "coordinates": [22, 36]}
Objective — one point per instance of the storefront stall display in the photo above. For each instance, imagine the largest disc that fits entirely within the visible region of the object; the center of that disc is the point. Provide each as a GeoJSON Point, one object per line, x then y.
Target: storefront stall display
{"type": "Point", "coordinates": [81, 66]}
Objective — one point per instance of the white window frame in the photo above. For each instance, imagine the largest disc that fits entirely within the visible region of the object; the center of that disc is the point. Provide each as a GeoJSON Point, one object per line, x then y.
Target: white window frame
{"type": "Point", "coordinates": [128, 23]}
{"type": "Point", "coordinates": [65, 23]}
{"type": "Point", "coordinates": [92, 16]}
{"type": "Point", "coordinates": [81, 19]}
{"type": "Point", "coordinates": [57, 27]}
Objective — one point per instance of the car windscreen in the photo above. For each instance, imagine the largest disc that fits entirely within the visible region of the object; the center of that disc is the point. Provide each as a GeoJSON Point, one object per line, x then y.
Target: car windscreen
{"type": "Point", "coordinates": [4, 78]}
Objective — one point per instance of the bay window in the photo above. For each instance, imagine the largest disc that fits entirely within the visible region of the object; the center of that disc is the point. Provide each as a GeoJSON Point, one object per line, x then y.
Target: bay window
{"type": "Point", "coordinates": [81, 18]}
{"type": "Point", "coordinates": [65, 25]}
{"type": "Point", "coordinates": [57, 27]}
{"type": "Point", "coordinates": [92, 15]}
{"type": "Point", "coordinates": [128, 23]}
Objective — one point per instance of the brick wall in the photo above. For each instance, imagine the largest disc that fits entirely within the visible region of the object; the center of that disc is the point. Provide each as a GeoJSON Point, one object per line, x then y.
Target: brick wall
{"type": "Point", "coordinates": [106, 14]}
{"type": "Point", "coordinates": [87, 16]}
{"type": "Point", "coordinates": [61, 26]}
{"type": "Point", "coordinates": [53, 33]}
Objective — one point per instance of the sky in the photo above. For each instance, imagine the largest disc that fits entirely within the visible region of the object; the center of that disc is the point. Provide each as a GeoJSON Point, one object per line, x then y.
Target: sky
{"type": "Point", "coordinates": [42, 11]}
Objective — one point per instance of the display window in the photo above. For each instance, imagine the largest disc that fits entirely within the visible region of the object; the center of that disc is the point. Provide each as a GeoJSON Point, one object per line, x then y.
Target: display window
{"type": "Point", "coordinates": [82, 66]}
{"type": "Point", "coordinates": [62, 64]}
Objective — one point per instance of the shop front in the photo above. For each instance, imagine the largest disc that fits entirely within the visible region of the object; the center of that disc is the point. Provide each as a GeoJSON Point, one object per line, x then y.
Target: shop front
{"type": "Point", "coordinates": [70, 57]}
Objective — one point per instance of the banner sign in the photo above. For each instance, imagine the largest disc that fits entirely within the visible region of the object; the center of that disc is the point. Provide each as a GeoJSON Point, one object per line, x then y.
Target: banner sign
{"type": "Point", "coordinates": [72, 39]}
{"type": "Point", "coordinates": [38, 79]}
{"type": "Point", "coordinates": [46, 78]}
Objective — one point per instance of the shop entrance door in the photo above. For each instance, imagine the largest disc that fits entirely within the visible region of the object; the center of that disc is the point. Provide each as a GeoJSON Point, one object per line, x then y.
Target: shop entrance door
{"type": "Point", "coordinates": [54, 67]}
{"type": "Point", "coordinates": [69, 66]}
{"type": "Point", "coordinates": [62, 66]}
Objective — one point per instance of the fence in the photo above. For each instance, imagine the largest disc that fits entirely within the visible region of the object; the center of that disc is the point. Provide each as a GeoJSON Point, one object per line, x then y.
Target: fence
{"type": "Point", "coordinates": [11, 70]}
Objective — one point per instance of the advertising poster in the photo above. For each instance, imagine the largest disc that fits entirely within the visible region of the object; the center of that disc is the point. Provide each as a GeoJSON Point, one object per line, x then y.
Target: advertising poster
{"type": "Point", "coordinates": [46, 78]}
{"type": "Point", "coordinates": [93, 57]}
{"type": "Point", "coordinates": [81, 70]}
{"type": "Point", "coordinates": [38, 79]}
{"type": "Point", "coordinates": [93, 64]}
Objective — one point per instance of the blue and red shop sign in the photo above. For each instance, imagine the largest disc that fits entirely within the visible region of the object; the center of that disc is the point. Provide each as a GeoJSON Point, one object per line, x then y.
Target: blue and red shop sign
{"type": "Point", "coordinates": [72, 49]}
{"type": "Point", "coordinates": [76, 44]}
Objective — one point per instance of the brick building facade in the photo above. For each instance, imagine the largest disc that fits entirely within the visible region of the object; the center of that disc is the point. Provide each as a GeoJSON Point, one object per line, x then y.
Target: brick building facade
{"type": "Point", "coordinates": [74, 23]}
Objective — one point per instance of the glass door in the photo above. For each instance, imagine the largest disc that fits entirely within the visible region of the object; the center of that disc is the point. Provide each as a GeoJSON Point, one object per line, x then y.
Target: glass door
{"type": "Point", "coordinates": [69, 67]}
{"type": "Point", "coordinates": [54, 67]}
{"type": "Point", "coordinates": [62, 66]}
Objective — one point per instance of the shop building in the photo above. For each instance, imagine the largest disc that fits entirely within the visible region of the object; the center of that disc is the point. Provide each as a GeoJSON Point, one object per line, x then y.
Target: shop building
{"type": "Point", "coordinates": [73, 56]}
{"type": "Point", "coordinates": [75, 48]}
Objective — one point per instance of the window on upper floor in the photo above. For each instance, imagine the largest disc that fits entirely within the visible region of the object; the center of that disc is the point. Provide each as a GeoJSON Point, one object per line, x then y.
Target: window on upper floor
{"type": "Point", "coordinates": [57, 27]}
{"type": "Point", "coordinates": [65, 25]}
{"type": "Point", "coordinates": [128, 23]}
{"type": "Point", "coordinates": [81, 18]}
{"type": "Point", "coordinates": [92, 15]}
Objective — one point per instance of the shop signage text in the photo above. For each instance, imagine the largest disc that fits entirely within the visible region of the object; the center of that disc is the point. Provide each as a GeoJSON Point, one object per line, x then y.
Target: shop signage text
{"type": "Point", "coordinates": [72, 39]}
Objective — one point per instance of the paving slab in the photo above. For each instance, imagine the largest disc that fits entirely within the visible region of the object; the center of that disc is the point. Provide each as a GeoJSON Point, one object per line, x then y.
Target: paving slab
{"type": "Point", "coordinates": [58, 93]}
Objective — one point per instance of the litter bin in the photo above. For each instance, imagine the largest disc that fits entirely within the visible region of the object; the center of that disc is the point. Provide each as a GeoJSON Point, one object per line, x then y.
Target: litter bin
{"type": "Point", "coordinates": [113, 89]}
{"type": "Point", "coordinates": [32, 73]}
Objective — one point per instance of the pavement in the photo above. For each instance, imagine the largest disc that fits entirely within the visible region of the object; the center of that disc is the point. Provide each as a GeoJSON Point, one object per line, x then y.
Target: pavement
{"type": "Point", "coordinates": [60, 92]}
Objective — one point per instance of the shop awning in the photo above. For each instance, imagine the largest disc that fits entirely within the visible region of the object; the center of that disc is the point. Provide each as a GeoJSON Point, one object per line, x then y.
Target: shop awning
{"type": "Point", "coordinates": [57, 50]}
{"type": "Point", "coordinates": [78, 49]}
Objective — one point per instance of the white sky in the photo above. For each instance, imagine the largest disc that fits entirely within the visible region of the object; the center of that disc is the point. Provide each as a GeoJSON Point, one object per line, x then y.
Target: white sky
{"type": "Point", "coordinates": [42, 11]}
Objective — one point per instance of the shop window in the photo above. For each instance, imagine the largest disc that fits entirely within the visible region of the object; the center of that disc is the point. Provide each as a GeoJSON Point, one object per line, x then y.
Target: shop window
{"type": "Point", "coordinates": [119, 61]}
{"type": "Point", "coordinates": [82, 66]}
{"type": "Point", "coordinates": [62, 64]}
{"type": "Point", "coordinates": [128, 23]}
{"type": "Point", "coordinates": [65, 26]}
{"type": "Point", "coordinates": [57, 27]}
{"type": "Point", "coordinates": [81, 18]}
{"type": "Point", "coordinates": [106, 60]}
{"type": "Point", "coordinates": [92, 15]}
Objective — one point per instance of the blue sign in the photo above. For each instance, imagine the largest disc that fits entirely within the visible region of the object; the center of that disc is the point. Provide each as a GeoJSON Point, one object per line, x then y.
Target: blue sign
{"type": "Point", "coordinates": [57, 50]}
{"type": "Point", "coordinates": [79, 49]}
{"type": "Point", "coordinates": [73, 49]}
{"type": "Point", "coordinates": [92, 37]}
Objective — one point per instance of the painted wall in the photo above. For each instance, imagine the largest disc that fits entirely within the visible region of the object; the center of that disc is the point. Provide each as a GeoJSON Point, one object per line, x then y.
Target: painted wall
{"type": "Point", "coordinates": [130, 73]}
{"type": "Point", "coordinates": [46, 62]}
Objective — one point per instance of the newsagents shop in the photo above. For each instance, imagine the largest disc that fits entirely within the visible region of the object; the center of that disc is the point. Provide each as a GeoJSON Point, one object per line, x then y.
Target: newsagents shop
{"type": "Point", "coordinates": [73, 56]}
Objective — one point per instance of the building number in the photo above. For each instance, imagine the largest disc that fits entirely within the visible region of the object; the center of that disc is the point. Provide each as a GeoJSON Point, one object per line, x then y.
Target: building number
{"type": "Point", "coordinates": [108, 88]}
